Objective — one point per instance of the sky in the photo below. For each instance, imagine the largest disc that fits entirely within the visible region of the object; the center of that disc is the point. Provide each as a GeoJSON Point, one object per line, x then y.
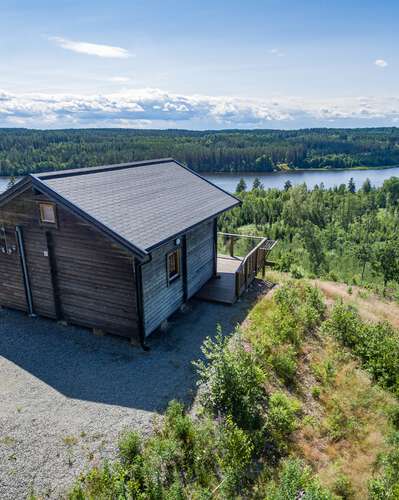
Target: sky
{"type": "Point", "coordinates": [199, 64]}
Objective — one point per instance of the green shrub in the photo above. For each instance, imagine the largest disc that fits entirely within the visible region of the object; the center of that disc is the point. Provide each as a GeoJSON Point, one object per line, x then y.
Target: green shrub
{"type": "Point", "coordinates": [386, 485]}
{"type": "Point", "coordinates": [233, 382]}
{"type": "Point", "coordinates": [393, 415]}
{"type": "Point", "coordinates": [339, 425]}
{"type": "Point", "coordinates": [285, 363]}
{"type": "Point", "coordinates": [296, 481]}
{"type": "Point", "coordinates": [281, 421]}
{"type": "Point", "coordinates": [235, 454]}
{"type": "Point", "coordinates": [316, 392]}
{"type": "Point", "coordinates": [324, 372]}
{"type": "Point", "coordinates": [297, 272]}
{"type": "Point", "coordinates": [128, 446]}
{"type": "Point", "coordinates": [377, 345]}
{"type": "Point", "coordinates": [343, 487]}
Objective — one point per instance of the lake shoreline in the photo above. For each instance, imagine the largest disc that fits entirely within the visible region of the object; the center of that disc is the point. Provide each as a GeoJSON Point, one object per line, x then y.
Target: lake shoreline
{"type": "Point", "coordinates": [263, 172]}
{"type": "Point", "coordinates": [294, 170]}
{"type": "Point", "coordinates": [329, 177]}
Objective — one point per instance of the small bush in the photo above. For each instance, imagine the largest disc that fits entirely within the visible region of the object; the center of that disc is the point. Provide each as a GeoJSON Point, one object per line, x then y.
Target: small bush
{"type": "Point", "coordinates": [296, 481]}
{"type": "Point", "coordinates": [338, 424]}
{"type": "Point", "coordinates": [332, 276]}
{"type": "Point", "coordinates": [377, 345]}
{"type": "Point", "coordinates": [316, 392]}
{"type": "Point", "coordinates": [297, 272]}
{"type": "Point", "coordinates": [233, 382]}
{"type": "Point", "coordinates": [236, 451]}
{"type": "Point", "coordinates": [285, 363]}
{"type": "Point", "coordinates": [393, 415]}
{"type": "Point", "coordinates": [128, 446]}
{"type": "Point", "coordinates": [281, 421]}
{"type": "Point", "coordinates": [386, 485]}
{"type": "Point", "coordinates": [343, 487]}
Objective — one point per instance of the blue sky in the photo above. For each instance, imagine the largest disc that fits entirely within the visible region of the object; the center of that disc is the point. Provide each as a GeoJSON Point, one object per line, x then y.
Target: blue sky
{"type": "Point", "coordinates": [199, 64]}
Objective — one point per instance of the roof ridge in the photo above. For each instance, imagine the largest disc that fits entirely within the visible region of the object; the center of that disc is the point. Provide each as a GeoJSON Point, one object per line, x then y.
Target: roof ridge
{"type": "Point", "coordinates": [101, 168]}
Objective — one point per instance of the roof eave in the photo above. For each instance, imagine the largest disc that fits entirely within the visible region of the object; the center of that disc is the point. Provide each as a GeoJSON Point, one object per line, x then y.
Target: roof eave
{"type": "Point", "coordinates": [15, 190]}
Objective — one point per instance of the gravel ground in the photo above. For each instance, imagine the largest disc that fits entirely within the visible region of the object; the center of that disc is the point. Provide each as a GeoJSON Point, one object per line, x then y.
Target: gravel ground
{"type": "Point", "coordinates": [65, 394]}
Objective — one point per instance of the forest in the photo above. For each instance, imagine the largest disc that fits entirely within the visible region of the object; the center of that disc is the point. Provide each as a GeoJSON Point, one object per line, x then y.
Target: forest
{"type": "Point", "coordinates": [348, 233]}
{"type": "Point", "coordinates": [23, 150]}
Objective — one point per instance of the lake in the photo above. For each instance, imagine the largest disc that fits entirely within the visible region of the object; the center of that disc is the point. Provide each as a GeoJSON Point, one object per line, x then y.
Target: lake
{"type": "Point", "coordinates": [330, 178]}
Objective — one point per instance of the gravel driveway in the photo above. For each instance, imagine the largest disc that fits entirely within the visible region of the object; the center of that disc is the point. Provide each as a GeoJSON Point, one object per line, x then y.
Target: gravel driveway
{"type": "Point", "coordinates": [65, 394]}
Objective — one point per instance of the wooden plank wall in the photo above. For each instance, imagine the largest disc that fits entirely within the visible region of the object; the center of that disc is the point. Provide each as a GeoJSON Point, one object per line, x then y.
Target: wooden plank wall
{"type": "Point", "coordinates": [95, 278]}
{"type": "Point", "coordinates": [160, 298]}
{"type": "Point", "coordinates": [200, 255]}
{"type": "Point", "coordinates": [23, 211]}
{"type": "Point", "coordinates": [12, 292]}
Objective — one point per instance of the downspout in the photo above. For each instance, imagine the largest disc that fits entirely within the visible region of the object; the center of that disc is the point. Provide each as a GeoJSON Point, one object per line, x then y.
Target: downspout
{"type": "Point", "coordinates": [28, 290]}
{"type": "Point", "coordinates": [139, 297]}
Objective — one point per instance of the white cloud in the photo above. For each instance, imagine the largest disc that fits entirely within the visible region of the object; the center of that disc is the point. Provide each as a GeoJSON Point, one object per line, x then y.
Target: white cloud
{"type": "Point", "coordinates": [92, 49]}
{"type": "Point", "coordinates": [118, 79]}
{"type": "Point", "coordinates": [276, 52]}
{"type": "Point", "coordinates": [158, 108]}
{"type": "Point", "coordinates": [381, 63]}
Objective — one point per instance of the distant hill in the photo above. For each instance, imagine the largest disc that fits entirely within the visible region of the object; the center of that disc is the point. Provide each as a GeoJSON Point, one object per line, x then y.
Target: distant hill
{"type": "Point", "coordinates": [24, 150]}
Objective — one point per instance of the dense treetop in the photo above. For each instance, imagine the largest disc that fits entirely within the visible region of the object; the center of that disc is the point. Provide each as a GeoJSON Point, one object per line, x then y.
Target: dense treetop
{"type": "Point", "coordinates": [23, 150]}
{"type": "Point", "coordinates": [348, 233]}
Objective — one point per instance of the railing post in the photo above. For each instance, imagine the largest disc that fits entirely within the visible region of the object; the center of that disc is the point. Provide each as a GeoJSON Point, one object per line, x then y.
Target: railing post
{"type": "Point", "coordinates": [263, 263]}
{"type": "Point", "coordinates": [232, 246]}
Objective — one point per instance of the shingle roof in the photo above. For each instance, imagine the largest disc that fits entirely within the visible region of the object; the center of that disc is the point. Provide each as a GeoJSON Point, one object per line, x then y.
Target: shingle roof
{"type": "Point", "coordinates": [142, 203]}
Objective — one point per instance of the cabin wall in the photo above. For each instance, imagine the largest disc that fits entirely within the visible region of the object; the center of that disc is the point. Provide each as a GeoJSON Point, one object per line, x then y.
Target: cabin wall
{"type": "Point", "coordinates": [200, 256]}
{"type": "Point", "coordinates": [23, 211]}
{"type": "Point", "coordinates": [94, 278]}
{"type": "Point", "coordinates": [160, 298]}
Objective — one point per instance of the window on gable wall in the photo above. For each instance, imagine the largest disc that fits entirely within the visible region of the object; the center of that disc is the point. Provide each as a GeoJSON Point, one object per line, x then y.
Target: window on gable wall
{"type": "Point", "coordinates": [173, 265]}
{"type": "Point", "coordinates": [47, 213]}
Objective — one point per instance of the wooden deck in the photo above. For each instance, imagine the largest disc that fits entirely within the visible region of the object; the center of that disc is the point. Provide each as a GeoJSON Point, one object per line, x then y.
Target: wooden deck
{"type": "Point", "coordinates": [223, 287]}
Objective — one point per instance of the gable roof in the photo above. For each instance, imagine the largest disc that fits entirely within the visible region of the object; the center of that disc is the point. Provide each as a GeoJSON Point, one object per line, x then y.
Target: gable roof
{"type": "Point", "coordinates": [140, 204]}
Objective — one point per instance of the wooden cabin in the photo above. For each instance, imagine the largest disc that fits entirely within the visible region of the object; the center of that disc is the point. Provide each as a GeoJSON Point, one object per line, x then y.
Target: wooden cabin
{"type": "Point", "coordinates": [117, 248]}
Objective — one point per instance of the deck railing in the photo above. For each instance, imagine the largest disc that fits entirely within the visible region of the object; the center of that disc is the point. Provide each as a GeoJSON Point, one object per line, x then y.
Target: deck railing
{"type": "Point", "coordinates": [252, 263]}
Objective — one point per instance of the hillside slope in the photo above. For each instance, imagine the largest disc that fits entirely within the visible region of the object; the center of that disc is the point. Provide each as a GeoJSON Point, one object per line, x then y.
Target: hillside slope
{"type": "Point", "coordinates": [289, 407]}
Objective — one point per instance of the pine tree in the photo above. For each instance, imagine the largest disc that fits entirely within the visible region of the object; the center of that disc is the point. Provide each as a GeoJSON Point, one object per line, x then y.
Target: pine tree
{"type": "Point", "coordinates": [241, 186]}
{"type": "Point", "coordinates": [257, 184]}
{"type": "Point", "coordinates": [351, 186]}
{"type": "Point", "coordinates": [287, 185]}
{"type": "Point", "coordinates": [366, 188]}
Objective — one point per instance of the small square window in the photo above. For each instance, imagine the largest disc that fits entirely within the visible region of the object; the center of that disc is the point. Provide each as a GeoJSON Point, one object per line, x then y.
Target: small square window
{"type": "Point", "coordinates": [47, 213]}
{"type": "Point", "coordinates": [173, 265]}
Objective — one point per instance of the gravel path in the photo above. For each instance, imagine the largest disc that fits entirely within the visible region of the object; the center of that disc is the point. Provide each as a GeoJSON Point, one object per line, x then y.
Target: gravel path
{"type": "Point", "coordinates": [65, 394]}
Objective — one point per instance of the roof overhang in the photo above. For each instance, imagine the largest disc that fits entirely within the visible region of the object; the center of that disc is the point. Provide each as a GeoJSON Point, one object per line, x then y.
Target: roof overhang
{"type": "Point", "coordinates": [38, 182]}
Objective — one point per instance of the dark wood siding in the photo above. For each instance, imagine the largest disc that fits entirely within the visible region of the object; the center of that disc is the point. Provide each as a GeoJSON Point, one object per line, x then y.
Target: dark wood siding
{"type": "Point", "coordinates": [12, 292]}
{"type": "Point", "coordinates": [95, 277]}
{"type": "Point", "coordinates": [23, 211]}
{"type": "Point", "coordinates": [200, 256]}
